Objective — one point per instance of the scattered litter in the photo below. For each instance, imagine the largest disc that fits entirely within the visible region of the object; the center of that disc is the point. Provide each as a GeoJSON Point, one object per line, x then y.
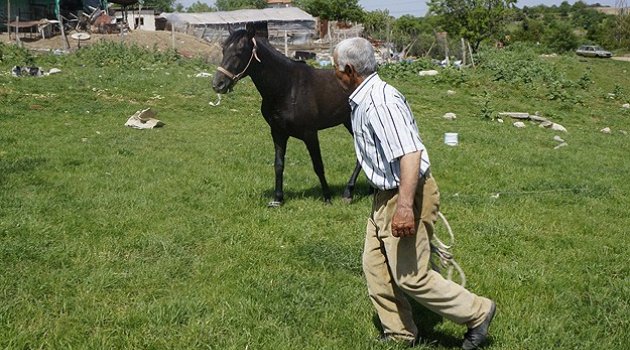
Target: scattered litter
{"type": "Point", "coordinates": [558, 139]}
{"type": "Point", "coordinates": [626, 105]}
{"type": "Point", "coordinates": [217, 103]}
{"type": "Point", "coordinates": [203, 75]}
{"type": "Point", "coordinates": [623, 132]}
{"type": "Point", "coordinates": [606, 130]}
{"type": "Point", "coordinates": [564, 144]}
{"type": "Point", "coordinates": [449, 116]}
{"type": "Point", "coordinates": [428, 73]}
{"type": "Point", "coordinates": [450, 92]}
{"type": "Point", "coordinates": [18, 71]}
{"type": "Point", "coordinates": [144, 119]}
{"type": "Point", "coordinates": [496, 195]}
{"type": "Point", "coordinates": [84, 139]}
{"type": "Point", "coordinates": [519, 125]}
{"type": "Point", "coordinates": [500, 120]}
{"type": "Point", "coordinates": [451, 138]}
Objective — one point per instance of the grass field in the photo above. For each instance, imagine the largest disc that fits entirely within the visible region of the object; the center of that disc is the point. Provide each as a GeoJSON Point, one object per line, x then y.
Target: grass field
{"type": "Point", "coordinates": [115, 238]}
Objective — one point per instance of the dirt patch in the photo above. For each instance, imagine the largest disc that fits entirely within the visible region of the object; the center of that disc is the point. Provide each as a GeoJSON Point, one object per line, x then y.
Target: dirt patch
{"type": "Point", "coordinates": [186, 45]}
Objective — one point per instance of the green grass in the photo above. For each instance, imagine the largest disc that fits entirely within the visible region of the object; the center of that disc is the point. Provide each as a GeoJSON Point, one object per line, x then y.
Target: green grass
{"type": "Point", "coordinates": [160, 239]}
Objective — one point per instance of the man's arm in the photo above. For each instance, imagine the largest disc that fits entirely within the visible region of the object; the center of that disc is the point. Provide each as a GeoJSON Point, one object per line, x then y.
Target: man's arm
{"type": "Point", "coordinates": [403, 222]}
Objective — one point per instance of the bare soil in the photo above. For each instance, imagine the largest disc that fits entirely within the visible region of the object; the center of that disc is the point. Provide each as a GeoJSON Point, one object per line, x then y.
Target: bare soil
{"type": "Point", "coordinates": [186, 45]}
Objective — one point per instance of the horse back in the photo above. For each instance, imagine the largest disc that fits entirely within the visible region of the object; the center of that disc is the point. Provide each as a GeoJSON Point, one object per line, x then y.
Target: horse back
{"type": "Point", "coordinates": [322, 101]}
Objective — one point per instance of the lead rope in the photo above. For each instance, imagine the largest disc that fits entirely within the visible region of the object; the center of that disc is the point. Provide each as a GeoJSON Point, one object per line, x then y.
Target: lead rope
{"type": "Point", "coordinates": [444, 255]}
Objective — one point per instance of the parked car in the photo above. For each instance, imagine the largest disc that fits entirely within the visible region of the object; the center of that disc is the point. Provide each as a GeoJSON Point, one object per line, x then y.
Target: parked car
{"type": "Point", "coordinates": [593, 51]}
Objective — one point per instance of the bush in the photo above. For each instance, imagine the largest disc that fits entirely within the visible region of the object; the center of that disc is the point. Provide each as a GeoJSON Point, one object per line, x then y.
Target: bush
{"type": "Point", "coordinates": [107, 53]}
{"type": "Point", "coordinates": [12, 55]}
{"type": "Point", "coordinates": [405, 69]}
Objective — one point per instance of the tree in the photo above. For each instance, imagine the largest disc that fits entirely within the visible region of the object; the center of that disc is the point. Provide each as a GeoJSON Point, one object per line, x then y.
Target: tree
{"type": "Point", "coordinates": [200, 7]}
{"type": "Point", "coordinates": [230, 5]}
{"type": "Point", "coordinates": [474, 20]}
{"type": "Point", "coordinates": [561, 37]}
{"type": "Point", "coordinates": [375, 23]}
{"type": "Point", "coordinates": [160, 5]}
{"type": "Point", "coordinates": [336, 10]}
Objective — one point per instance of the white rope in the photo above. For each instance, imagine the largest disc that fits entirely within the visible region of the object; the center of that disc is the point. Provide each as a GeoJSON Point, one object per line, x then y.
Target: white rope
{"type": "Point", "coordinates": [443, 253]}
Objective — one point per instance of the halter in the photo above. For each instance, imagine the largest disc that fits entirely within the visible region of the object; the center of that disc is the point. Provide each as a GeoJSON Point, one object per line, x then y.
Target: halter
{"type": "Point", "coordinates": [236, 77]}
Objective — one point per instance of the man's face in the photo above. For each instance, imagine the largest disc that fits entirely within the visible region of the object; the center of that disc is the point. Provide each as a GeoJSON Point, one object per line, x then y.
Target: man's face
{"type": "Point", "coordinates": [348, 77]}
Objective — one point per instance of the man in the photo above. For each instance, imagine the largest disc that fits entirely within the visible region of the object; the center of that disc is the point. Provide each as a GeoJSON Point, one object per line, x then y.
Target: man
{"type": "Point", "coordinates": [397, 251]}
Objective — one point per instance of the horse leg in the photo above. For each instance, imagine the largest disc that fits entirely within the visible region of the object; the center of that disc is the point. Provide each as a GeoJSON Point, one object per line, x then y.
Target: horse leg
{"type": "Point", "coordinates": [349, 190]}
{"type": "Point", "coordinates": [312, 144]}
{"type": "Point", "coordinates": [280, 146]}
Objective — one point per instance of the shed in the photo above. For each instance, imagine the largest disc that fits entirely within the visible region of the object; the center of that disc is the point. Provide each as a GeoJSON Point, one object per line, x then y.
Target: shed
{"type": "Point", "coordinates": [35, 10]}
{"type": "Point", "coordinates": [286, 22]}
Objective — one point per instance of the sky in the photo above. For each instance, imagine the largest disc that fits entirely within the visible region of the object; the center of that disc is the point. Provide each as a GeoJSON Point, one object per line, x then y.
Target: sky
{"type": "Point", "coordinates": [418, 8]}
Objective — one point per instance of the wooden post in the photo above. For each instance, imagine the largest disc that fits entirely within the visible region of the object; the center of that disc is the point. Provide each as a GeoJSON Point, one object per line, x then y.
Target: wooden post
{"type": "Point", "coordinates": [173, 36]}
{"type": "Point", "coordinates": [9, 18]}
{"type": "Point", "coordinates": [463, 52]}
{"type": "Point", "coordinates": [471, 55]}
{"type": "Point", "coordinates": [66, 44]}
{"type": "Point", "coordinates": [17, 28]}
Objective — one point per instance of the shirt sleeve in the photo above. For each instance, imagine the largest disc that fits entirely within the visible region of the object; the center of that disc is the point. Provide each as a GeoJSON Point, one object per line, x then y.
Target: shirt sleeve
{"type": "Point", "coordinates": [396, 129]}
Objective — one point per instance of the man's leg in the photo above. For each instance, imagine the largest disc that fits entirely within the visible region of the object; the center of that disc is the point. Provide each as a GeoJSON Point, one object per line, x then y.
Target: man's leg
{"type": "Point", "coordinates": [408, 260]}
{"type": "Point", "coordinates": [392, 307]}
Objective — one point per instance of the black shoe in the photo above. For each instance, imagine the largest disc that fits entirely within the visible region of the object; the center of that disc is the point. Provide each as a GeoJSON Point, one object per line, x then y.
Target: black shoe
{"type": "Point", "coordinates": [478, 335]}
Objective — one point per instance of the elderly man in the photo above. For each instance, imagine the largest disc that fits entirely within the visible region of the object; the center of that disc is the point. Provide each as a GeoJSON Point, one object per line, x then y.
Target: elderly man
{"type": "Point", "coordinates": [405, 206]}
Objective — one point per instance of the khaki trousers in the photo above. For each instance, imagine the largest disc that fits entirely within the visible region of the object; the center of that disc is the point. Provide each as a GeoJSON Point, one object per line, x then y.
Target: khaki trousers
{"type": "Point", "coordinates": [394, 267]}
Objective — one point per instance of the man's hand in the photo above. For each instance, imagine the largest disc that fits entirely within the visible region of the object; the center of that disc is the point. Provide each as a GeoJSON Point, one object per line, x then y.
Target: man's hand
{"type": "Point", "coordinates": [403, 223]}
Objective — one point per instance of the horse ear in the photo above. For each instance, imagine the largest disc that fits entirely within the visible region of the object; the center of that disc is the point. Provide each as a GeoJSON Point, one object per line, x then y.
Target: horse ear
{"type": "Point", "coordinates": [251, 29]}
{"type": "Point", "coordinates": [262, 29]}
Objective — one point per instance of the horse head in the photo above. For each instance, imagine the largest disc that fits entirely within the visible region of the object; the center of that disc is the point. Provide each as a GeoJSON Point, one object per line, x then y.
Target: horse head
{"type": "Point", "coordinates": [239, 50]}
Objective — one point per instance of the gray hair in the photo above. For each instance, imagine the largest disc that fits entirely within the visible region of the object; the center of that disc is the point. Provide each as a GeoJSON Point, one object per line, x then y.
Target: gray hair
{"type": "Point", "coordinates": [357, 52]}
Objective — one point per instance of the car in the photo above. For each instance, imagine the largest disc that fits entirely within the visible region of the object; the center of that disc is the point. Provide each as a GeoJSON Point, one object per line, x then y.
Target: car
{"type": "Point", "coordinates": [593, 51]}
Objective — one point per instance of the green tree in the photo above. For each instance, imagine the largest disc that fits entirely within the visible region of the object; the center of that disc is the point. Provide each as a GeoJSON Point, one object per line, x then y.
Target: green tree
{"type": "Point", "coordinates": [200, 7]}
{"type": "Point", "coordinates": [560, 37]}
{"type": "Point", "coordinates": [336, 10]}
{"type": "Point", "coordinates": [474, 20]}
{"type": "Point", "coordinates": [375, 23]}
{"type": "Point", "coordinates": [160, 5]}
{"type": "Point", "coordinates": [230, 5]}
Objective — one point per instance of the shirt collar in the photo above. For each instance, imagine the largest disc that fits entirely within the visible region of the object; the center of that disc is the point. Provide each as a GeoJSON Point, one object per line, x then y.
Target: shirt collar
{"type": "Point", "coordinates": [363, 89]}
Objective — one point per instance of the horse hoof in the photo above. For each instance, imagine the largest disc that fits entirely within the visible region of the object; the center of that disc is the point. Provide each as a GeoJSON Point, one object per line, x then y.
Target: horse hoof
{"type": "Point", "coordinates": [274, 204]}
{"type": "Point", "coordinates": [347, 200]}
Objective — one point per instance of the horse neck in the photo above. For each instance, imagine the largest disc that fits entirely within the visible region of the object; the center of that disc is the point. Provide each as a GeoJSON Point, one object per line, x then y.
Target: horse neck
{"type": "Point", "coordinates": [271, 74]}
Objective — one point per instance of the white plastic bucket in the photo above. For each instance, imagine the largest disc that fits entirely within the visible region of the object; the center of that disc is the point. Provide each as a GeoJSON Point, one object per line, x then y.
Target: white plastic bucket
{"type": "Point", "coordinates": [450, 138]}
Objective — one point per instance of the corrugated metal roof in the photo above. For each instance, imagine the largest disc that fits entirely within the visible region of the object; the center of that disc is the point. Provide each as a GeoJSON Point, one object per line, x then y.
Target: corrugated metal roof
{"type": "Point", "coordinates": [284, 14]}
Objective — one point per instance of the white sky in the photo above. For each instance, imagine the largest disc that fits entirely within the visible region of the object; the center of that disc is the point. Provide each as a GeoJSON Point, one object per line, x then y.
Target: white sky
{"type": "Point", "coordinates": [418, 8]}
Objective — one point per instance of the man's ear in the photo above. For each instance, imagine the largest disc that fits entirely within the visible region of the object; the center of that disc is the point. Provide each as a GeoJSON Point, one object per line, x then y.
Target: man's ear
{"type": "Point", "coordinates": [349, 70]}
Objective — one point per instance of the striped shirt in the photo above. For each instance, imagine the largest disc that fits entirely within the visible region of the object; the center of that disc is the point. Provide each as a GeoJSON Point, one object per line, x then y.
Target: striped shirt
{"type": "Point", "coordinates": [384, 130]}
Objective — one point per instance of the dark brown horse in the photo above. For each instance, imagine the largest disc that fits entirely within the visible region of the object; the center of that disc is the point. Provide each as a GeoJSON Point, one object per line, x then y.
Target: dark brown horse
{"type": "Point", "coordinates": [297, 100]}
